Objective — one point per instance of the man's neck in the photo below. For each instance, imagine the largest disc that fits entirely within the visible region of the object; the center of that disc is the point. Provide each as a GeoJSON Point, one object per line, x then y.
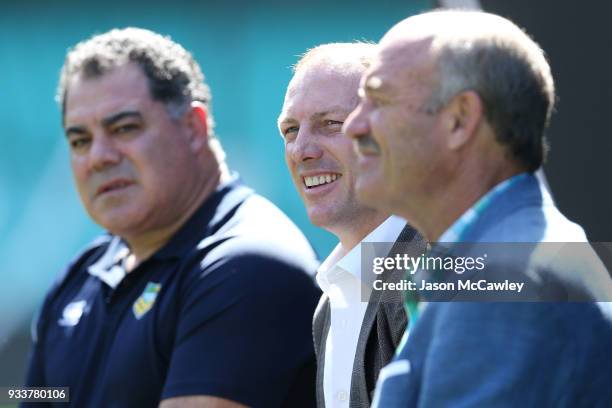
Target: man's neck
{"type": "Point", "coordinates": [143, 245]}
{"type": "Point", "coordinates": [433, 217]}
{"type": "Point", "coordinates": [353, 234]}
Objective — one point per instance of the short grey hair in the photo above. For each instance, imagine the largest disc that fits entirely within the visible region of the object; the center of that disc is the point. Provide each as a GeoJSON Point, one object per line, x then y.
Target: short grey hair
{"type": "Point", "coordinates": [345, 55]}
{"type": "Point", "coordinates": [493, 57]}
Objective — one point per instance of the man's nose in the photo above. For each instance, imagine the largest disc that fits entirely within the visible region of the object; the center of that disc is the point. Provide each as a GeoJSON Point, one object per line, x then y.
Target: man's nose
{"type": "Point", "coordinates": [305, 146]}
{"type": "Point", "coordinates": [103, 152]}
{"type": "Point", "coordinates": [356, 123]}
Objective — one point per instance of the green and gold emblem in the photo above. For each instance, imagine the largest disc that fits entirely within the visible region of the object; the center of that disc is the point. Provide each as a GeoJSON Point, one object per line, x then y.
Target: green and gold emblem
{"type": "Point", "coordinates": [145, 301]}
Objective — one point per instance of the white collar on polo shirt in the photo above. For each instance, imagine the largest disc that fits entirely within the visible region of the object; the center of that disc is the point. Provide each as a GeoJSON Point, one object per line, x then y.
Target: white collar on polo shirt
{"type": "Point", "coordinates": [109, 268]}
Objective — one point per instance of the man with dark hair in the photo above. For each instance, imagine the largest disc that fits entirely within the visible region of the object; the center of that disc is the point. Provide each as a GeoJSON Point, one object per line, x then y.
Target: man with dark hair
{"type": "Point", "coordinates": [355, 332]}
{"type": "Point", "coordinates": [449, 132]}
{"type": "Point", "coordinates": [200, 293]}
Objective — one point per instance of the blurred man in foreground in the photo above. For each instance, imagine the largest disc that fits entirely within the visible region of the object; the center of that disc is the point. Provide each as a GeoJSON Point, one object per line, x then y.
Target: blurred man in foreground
{"type": "Point", "coordinates": [450, 130]}
{"type": "Point", "coordinates": [355, 334]}
{"type": "Point", "coordinates": [199, 294]}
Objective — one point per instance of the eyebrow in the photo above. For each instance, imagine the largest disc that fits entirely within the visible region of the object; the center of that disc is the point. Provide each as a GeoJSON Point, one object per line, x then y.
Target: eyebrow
{"type": "Point", "coordinates": [75, 129]}
{"type": "Point", "coordinates": [285, 120]}
{"type": "Point", "coordinates": [316, 116]}
{"type": "Point", "coordinates": [108, 121]}
{"type": "Point", "coordinates": [332, 110]}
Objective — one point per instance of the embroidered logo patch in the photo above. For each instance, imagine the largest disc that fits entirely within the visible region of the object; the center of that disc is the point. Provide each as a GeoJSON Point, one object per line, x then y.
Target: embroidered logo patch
{"type": "Point", "coordinates": [72, 313]}
{"type": "Point", "coordinates": [145, 301]}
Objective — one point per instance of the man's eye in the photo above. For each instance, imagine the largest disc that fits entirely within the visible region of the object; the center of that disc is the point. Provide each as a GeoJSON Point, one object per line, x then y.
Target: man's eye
{"type": "Point", "coordinates": [130, 127]}
{"type": "Point", "coordinates": [332, 126]}
{"type": "Point", "coordinates": [79, 143]}
{"type": "Point", "coordinates": [290, 130]}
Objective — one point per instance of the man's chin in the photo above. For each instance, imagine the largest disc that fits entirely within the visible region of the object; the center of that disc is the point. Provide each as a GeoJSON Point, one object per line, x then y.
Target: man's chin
{"type": "Point", "coordinates": [325, 218]}
{"type": "Point", "coordinates": [118, 224]}
{"type": "Point", "coordinates": [319, 218]}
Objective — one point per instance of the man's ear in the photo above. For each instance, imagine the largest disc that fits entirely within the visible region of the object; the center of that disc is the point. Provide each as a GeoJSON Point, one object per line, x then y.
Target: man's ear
{"type": "Point", "coordinates": [197, 121]}
{"type": "Point", "coordinates": [462, 117]}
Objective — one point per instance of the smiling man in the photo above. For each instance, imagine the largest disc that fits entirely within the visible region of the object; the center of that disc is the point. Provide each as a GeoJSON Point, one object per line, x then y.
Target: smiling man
{"type": "Point", "coordinates": [355, 332]}
{"type": "Point", "coordinates": [199, 295]}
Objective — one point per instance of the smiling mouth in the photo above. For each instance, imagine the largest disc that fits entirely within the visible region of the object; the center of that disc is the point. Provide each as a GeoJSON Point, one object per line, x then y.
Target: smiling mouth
{"type": "Point", "coordinates": [315, 181]}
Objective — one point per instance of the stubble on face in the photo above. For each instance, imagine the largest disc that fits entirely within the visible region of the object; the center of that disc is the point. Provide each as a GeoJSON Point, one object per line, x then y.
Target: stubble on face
{"type": "Point", "coordinates": [318, 101]}
{"type": "Point", "coordinates": [139, 159]}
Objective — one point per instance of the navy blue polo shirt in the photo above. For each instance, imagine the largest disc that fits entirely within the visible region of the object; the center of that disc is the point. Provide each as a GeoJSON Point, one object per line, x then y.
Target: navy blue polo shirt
{"type": "Point", "coordinates": [223, 309]}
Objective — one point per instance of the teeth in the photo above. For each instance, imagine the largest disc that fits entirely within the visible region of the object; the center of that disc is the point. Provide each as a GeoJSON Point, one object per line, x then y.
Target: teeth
{"type": "Point", "coordinates": [319, 180]}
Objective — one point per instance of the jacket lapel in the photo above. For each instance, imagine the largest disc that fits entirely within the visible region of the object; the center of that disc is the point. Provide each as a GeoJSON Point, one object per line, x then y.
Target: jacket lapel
{"type": "Point", "coordinates": [359, 391]}
{"type": "Point", "coordinates": [321, 326]}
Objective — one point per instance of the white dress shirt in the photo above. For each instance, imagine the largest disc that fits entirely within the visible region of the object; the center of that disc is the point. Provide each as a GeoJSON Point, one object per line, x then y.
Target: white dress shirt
{"type": "Point", "coordinates": [339, 276]}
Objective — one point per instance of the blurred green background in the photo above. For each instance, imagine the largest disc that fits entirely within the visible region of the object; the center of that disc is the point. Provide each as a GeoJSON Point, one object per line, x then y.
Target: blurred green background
{"type": "Point", "coordinates": [245, 49]}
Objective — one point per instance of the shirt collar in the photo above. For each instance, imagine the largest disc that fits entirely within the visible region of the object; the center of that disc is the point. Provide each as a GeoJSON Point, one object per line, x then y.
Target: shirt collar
{"type": "Point", "coordinates": [339, 262]}
{"type": "Point", "coordinates": [206, 220]}
{"type": "Point", "coordinates": [458, 229]}
{"type": "Point", "coordinates": [109, 268]}
{"type": "Point", "coordinates": [203, 223]}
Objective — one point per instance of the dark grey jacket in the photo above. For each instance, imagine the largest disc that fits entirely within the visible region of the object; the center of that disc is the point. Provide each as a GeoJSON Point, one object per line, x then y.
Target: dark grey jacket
{"type": "Point", "coordinates": [382, 329]}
